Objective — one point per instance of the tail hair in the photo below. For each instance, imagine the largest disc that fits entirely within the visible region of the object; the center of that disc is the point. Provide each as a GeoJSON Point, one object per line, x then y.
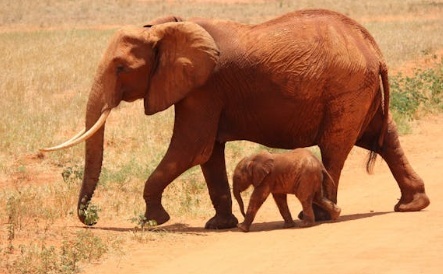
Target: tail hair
{"type": "Point", "coordinates": [372, 157]}
{"type": "Point", "coordinates": [385, 102]}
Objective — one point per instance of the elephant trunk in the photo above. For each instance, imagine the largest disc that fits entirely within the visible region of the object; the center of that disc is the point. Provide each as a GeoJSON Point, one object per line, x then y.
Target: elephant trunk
{"type": "Point", "coordinates": [98, 108]}
{"type": "Point", "coordinates": [93, 150]}
{"type": "Point", "coordinates": [237, 197]}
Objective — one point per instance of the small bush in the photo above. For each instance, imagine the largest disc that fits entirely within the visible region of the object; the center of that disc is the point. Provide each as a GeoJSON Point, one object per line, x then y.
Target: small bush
{"type": "Point", "coordinates": [72, 174]}
{"type": "Point", "coordinates": [407, 95]}
{"type": "Point", "coordinates": [84, 247]}
{"type": "Point", "coordinates": [422, 92]}
{"type": "Point", "coordinates": [40, 258]}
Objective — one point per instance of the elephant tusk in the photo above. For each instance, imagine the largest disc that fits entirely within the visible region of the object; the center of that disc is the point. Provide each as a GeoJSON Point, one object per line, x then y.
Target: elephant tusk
{"type": "Point", "coordinates": [72, 139]}
{"type": "Point", "coordinates": [82, 135]}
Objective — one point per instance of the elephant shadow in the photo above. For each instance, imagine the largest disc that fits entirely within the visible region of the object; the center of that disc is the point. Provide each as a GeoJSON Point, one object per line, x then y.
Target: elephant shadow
{"type": "Point", "coordinates": [179, 228]}
{"type": "Point", "coordinates": [275, 225]}
{"type": "Point", "coordinates": [357, 216]}
{"type": "Point", "coordinates": [183, 228]}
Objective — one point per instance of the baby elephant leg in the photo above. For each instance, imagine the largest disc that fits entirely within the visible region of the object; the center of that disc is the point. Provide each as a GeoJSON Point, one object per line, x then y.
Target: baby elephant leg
{"type": "Point", "coordinates": [308, 213]}
{"type": "Point", "coordinates": [282, 204]}
{"type": "Point", "coordinates": [329, 206]}
{"type": "Point", "coordinates": [258, 196]}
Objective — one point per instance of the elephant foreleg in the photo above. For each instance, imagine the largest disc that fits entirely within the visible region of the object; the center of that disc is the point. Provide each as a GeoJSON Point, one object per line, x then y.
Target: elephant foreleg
{"type": "Point", "coordinates": [183, 153]}
{"type": "Point", "coordinates": [192, 143]}
{"type": "Point", "coordinates": [169, 169]}
{"type": "Point", "coordinates": [179, 158]}
{"type": "Point", "coordinates": [257, 199]}
{"type": "Point", "coordinates": [214, 171]}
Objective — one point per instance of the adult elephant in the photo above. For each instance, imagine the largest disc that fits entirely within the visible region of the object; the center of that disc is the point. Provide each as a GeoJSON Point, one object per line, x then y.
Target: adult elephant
{"type": "Point", "coordinates": [310, 77]}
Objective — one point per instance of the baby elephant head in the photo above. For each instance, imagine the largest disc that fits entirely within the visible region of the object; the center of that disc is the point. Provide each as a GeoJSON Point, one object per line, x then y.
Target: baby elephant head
{"type": "Point", "coordinates": [251, 170]}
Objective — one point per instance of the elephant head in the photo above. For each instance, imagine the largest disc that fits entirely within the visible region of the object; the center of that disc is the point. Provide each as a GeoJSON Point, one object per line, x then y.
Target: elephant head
{"type": "Point", "coordinates": [251, 170]}
{"type": "Point", "coordinates": [160, 64]}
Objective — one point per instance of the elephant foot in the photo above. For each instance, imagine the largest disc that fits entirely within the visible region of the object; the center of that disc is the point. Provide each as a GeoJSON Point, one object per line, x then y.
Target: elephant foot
{"type": "Point", "coordinates": [243, 227]}
{"type": "Point", "coordinates": [221, 222]}
{"type": "Point", "coordinates": [417, 202]}
{"type": "Point", "coordinates": [320, 214]}
{"type": "Point", "coordinates": [304, 223]}
{"type": "Point", "coordinates": [157, 213]}
{"type": "Point", "coordinates": [335, 213]}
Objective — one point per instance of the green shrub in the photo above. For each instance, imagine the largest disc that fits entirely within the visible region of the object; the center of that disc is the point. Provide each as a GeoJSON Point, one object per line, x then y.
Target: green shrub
{"type": "Point", "coordinates": [411, 95]}
{"type": "Point", "coordinates": [406, 96]}
{"type": "Point", "coordinates": [38, 257]}
{"type": "Point", "coordinates": [72, 174]}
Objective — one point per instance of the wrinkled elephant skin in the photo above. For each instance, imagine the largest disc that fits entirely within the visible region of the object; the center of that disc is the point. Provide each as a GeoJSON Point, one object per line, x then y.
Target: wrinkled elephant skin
{"type": "Point", "coordinates": [311, 77]}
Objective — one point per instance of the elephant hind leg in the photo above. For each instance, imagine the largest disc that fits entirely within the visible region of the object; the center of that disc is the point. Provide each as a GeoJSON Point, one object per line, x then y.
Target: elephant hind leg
{"type": "Point", "coordinates": [335, 145]}
{"type": "Point", "coordinates": [413, 196]}
{"type": "Point", "coordinates": [412, 188]}
{"type": "Point", "coordinates": [333, 157]}
{"type": "Point", "coordinates": [333, 210]}
{"type": "Point", "coordinates": [308, 212]}
{"type": "Point", "coordinates": [282, 204]}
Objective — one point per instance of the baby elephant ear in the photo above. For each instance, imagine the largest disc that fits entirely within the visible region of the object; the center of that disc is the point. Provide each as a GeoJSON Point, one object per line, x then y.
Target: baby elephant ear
{"type": "Point", "coordinates": [260, 168]}
{"type": "Point", "coordinates": [186, 56]}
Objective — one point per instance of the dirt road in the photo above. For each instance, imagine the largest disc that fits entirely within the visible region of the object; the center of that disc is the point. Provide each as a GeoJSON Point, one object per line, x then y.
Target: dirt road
{"type": "Point", "coordinates": [368, 238]}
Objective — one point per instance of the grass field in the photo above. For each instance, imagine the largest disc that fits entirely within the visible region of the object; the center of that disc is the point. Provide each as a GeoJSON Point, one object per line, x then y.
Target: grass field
{"type": "Point", "coordinates": [50, 50]}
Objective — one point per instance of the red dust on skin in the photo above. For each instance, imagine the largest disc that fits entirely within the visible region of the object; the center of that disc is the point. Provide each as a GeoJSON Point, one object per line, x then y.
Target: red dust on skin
{"type": "Point", "coordinates": [393, 248]}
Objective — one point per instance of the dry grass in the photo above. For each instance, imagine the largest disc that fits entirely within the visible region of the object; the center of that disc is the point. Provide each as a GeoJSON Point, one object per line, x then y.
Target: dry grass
{"type": "Point", "coordinates": [50, 49]}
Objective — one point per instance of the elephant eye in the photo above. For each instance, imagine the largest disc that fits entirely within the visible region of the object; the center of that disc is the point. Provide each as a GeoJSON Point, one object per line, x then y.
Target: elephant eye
{"type": "Point", "coordinates": [120, 69]}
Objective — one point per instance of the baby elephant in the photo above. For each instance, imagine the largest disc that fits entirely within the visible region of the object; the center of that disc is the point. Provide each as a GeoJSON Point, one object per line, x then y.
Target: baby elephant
{"type": "Point", "coordinates": [296, 172]}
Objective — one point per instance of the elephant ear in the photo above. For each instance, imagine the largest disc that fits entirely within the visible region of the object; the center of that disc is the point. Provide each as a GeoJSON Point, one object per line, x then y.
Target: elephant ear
{"type": "Point", "coordinates": [260, 167]}
{"type": "Point", "coordinates": [186, 57]}
{"type": "Point", "coordinates": [162, 20]}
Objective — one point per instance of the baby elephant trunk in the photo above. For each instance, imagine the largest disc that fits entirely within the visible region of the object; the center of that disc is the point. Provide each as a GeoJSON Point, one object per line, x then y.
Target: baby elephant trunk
{"type": "Point", "coordinates": [237, 197]}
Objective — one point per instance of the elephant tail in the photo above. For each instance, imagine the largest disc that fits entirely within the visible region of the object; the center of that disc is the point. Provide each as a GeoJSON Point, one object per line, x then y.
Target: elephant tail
{"type": "Point", "coordinates": [385, 102]}
{"type": "Point", "coordinates": [385, 111]}
{"type": "Point", "coordinates": [328, 185]}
